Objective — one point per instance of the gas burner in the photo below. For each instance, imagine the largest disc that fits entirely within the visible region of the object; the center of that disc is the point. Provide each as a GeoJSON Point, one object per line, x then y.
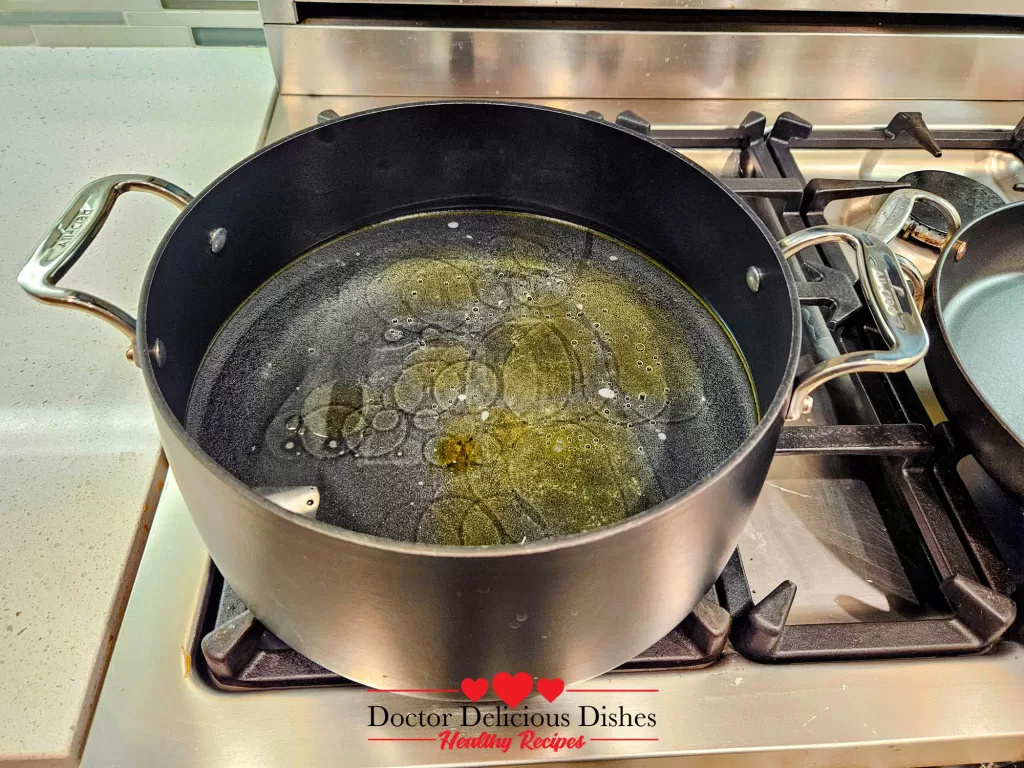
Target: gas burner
{"type": "Point", "coordinates": [971, 199]}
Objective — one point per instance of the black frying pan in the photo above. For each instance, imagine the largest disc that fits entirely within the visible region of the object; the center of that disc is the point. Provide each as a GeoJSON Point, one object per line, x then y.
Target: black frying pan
{"type": "Point", "coordinates": [975, 319]}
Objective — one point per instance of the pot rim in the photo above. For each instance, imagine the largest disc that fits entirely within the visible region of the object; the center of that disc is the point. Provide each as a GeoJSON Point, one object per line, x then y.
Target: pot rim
{"type": "Point", "coordinates": [760, 432]}
{"type": "Point", "coordinates": [940, 315]}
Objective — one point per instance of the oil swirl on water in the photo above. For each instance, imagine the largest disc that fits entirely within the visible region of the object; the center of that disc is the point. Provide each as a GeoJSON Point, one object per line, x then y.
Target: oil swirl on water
{"type": "Point", "coordinates": [474, 378]}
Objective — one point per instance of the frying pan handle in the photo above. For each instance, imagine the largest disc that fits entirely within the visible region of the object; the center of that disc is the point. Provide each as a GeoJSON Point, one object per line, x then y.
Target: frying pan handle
{"type": "Point", "coordinates": [72, 234]}
{"type": "Point", "coordinates": [891, 303]}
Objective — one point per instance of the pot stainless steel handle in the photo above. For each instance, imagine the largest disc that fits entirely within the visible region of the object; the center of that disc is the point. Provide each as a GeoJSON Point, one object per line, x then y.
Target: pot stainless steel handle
{"type": "Point", "coordinates": [895, 212]}
{"type": "Point", "coordinates": [893, 217]}
{"type": "Point", "coordinates": [890, 300]}
{"type": "Point", "coordinates": [71, 235]}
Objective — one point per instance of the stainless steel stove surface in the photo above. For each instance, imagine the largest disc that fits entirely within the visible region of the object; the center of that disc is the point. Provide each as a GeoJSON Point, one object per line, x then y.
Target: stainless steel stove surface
{"type": "Point", "coordinates": [866, 557]}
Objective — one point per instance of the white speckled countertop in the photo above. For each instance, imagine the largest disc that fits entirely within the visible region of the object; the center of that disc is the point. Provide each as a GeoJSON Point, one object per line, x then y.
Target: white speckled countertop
{"type": "Point", "coordinates": [77, 441]}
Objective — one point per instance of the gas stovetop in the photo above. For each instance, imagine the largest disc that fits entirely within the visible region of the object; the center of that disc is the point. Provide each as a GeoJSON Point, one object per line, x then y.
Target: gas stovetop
{"type": "Point", "coordinates": [878, 550]}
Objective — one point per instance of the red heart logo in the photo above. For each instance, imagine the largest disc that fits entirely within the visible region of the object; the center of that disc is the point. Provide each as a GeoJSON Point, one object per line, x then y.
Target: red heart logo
{"type": "Point", "coordinates": [512, 690]}
{"type": "Point", "coordinates": [474, 689]}
{"type": "Point", "coordinates": [550, 689]}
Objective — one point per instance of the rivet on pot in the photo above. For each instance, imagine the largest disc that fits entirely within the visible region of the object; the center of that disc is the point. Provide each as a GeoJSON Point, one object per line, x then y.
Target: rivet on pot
{"type": "Point", "coordinates": [159, 353]}
{"type": "Point", "coordinates": [218, 238]}
{"type": "Point", "coordinates": [754, 279]}
{"type": "Point", "coordinates": [960, 250]}
{"type": "Point", "coordinates": [807, 404]}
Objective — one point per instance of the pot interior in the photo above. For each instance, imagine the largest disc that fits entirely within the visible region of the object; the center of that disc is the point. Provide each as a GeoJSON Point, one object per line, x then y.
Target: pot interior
{"type": "Point", "coordinates": [474, 378]}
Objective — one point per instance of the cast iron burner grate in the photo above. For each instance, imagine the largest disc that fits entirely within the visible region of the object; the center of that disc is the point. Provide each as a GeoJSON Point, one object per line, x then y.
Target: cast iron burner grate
{"type": "Point", "coordinates": [241, 654]}
{"type": "Point", "coordinates": [892, 399]}
{"type": "Point", "coordinates": [883, 429]}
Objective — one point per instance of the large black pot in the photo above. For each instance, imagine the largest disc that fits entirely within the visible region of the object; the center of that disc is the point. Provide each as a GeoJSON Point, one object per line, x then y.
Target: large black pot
{"type": "Point", "coordinates": [414, 616]}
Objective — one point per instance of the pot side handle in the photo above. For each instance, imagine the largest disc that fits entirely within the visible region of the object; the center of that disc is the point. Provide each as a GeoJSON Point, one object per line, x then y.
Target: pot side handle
{"type": "Point", "coordinates": [890, 300]}
{"type": "Point", "coordinates": [72, 234]}
{"type": "Point", "coordinates": [894, 216]}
